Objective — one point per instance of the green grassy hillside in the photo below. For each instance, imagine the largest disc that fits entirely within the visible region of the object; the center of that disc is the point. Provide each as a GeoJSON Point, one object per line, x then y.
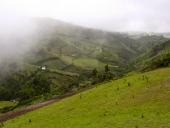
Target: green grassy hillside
{"type": "Point", "coordinates": [135, 101]}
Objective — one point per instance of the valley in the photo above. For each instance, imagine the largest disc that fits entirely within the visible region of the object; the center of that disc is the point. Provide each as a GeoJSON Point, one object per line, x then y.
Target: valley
{"type": "Point", "coordinates": [124, 78]}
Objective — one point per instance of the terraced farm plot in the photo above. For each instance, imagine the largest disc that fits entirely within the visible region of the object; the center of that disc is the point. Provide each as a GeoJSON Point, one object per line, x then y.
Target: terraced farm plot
{"type": "Point", "coordinates": [135, 101]}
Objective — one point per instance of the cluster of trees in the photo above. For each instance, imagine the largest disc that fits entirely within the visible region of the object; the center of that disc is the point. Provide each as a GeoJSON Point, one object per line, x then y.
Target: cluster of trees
{"type": "Point", "coordinates": [22, 85]}
{"type": "Point", "coordinates": [26, 85]}
{"type": "Point", "coordinates": [98, 77]}
{"type": "Point", "coordinates": [39, 85]}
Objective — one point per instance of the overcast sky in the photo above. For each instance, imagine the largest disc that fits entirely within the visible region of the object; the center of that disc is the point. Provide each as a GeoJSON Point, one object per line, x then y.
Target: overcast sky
{"type": "Point", "coordinates": [111, 15]}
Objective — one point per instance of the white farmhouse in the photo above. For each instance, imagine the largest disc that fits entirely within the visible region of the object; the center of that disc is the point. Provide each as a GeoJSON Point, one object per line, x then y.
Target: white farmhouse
{"type": "Point", "coordinates": [43, 67]}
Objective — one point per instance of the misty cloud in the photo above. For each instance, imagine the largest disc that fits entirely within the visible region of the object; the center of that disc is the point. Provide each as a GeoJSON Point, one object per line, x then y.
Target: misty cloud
{"type": "Point", "coordinates": [16, 37]}
{"type": "Point", "coordinates": [18, 34]}
{"type": "Point", "coordinates": [111, 15]}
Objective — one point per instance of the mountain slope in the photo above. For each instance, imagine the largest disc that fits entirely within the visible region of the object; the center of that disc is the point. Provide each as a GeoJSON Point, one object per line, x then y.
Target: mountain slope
{"type": "Point", "coordinates": [148, 41]}
{"type": "Point", "coordinates": [68, 47]}
{"type": "Point", "coordinates": [135, 101]}
{"type": "Point", "coordinates": [74, 41]}
{"type": "Point", "coordinates": [155, 57]}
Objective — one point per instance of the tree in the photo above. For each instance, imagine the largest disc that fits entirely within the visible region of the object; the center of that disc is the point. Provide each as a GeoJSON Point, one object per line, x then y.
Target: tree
{"type": "Point", "coordinates": [94, 72]}
{"type": "Point", "coordinates": [26, 92]}
{"type": "Point", "coordinates": [41, 84]}
{"type": "Point", "coordinates": [107, 68]}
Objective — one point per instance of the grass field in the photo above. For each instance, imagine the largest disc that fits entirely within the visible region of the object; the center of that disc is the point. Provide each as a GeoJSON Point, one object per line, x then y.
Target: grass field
{"type": "Point", "coordinates": [83, 62]}
{"type": "Point", "coordinates": [135, 101]}
{"type": "Point", "coordinates": [89, 63]}
{"type": "Point", "coordinates": [6, 104]}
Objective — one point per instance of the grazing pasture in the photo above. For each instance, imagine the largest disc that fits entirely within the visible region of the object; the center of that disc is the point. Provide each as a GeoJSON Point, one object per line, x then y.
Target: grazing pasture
{"type": "Point", "coordinates": [138, 100]}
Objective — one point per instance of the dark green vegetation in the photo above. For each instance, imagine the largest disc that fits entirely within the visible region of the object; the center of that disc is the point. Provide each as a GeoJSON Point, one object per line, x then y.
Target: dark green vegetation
{"type": "Point", "coordinates": [138, 100]}
{"type": "Point", "coordinates": [155, 57]}
{"type": "Point", "coordinates": [75, 58]}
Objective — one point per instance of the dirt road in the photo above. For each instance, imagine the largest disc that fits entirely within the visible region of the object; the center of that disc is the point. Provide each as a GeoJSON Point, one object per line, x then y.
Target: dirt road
{"type": "Point", "coordinates": [10, 115]}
